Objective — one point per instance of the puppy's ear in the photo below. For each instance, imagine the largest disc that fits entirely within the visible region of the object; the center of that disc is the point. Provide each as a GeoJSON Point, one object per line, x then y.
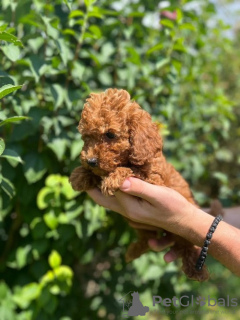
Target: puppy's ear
{"type": "Point", "coordinates": [144, 138]}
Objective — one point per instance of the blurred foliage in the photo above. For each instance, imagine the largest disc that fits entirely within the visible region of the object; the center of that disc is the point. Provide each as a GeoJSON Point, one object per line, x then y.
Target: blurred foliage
{"type": "Point", "coordinates": [62, 256]}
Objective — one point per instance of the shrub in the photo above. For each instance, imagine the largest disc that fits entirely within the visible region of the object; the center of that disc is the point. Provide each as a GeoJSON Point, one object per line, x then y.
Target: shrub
{"type": "Point", "coordinates": [62, 254]}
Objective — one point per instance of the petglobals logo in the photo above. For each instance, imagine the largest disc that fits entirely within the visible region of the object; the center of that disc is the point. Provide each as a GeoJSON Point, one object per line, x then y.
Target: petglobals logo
{"type": "Point", "coordinates": [186, 301]}
{"type": "Point", "coordinates": [132, 306]}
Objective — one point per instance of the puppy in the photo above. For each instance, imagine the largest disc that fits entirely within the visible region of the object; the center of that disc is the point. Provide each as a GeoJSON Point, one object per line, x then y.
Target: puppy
{"type": "Point", "coordinates": [120, 141]}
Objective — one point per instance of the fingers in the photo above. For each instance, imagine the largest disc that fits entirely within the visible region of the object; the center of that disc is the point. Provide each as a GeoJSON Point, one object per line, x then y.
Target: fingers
{"type": "Point", "coordinates": [170, 256]}
{"type": "Point", "coordinates": [135, 208]}
{"type": "Point", "coordinates": [142, 189]}
{"type": "Point", "coordinates": [107, 202]}
{"type": "Point", "coordinates": [161, 244]}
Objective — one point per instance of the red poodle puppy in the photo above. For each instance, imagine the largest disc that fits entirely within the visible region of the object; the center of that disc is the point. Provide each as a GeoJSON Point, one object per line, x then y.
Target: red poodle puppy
{"type": "Point", "coordinates": [120, 140]}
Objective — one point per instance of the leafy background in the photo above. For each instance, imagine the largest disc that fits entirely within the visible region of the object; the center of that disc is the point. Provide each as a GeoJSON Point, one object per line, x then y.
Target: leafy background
{"type": "Point", "coordinates": [61, 255]}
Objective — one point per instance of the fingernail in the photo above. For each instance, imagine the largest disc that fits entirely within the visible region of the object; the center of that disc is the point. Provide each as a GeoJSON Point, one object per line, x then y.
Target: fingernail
{"type": "Point", "coordinates": [170, 256]}
{"type": "Point", "coordinates": [126, 185]}
{"type": "Point", "coordinates": [153, 243]}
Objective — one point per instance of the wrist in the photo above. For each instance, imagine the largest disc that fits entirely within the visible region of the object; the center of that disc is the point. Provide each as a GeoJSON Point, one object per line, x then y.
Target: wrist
{"type": "Point", "coordinates": [195, 225]}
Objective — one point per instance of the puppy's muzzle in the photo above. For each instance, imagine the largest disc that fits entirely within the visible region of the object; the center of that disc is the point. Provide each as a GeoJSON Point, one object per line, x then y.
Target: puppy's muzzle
{"type": "Point", "coordinates": [92, 162]}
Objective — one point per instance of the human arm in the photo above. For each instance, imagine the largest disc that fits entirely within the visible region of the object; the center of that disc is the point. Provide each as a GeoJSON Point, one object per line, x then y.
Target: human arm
{"type": "Point", "coordinates": [164, 208]}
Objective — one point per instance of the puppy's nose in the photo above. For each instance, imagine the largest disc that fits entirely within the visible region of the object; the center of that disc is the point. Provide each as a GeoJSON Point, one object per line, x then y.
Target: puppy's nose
{"type": "Point", "coordinates": [92, 162]}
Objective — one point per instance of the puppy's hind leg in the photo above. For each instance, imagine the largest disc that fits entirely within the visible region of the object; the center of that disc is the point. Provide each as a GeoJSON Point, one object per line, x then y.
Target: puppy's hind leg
{"type": "Point", "coordinates": [189, 254]}
{"type": "Point", "coordinates": [136, 249]}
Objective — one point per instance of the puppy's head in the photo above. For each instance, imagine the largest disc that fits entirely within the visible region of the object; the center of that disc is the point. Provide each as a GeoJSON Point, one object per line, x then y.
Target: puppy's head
{"type": "Point", "coordinates": [116, 132]}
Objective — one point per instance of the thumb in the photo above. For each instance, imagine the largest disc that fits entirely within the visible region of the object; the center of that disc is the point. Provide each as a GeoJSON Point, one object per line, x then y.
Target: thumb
{"type": "Point", "coordinates": [140, 188]}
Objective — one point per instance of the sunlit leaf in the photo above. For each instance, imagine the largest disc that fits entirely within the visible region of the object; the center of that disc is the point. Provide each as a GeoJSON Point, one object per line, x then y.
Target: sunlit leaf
{"type": "Point", "coordinates": [5, 36]}
{"type": "Point", "coordinates": [12, 52]}
{"type": "Point", "coordinates": [8, 89]}
{"type": "Point", "coordinates": [54, 259]}
{"type": "Point", "coordinates": [12, 156]}
{"type": "Point", "coordinates": [2, 145]}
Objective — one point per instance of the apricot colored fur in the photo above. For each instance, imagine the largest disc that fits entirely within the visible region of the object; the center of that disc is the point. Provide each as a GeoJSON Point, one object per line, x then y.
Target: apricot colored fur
{"type": "Point", "coordinates": [136, 150]}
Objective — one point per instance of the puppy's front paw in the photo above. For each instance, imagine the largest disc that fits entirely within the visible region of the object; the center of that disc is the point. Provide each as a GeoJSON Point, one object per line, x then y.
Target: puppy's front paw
{"type": "Point", "coordinates": [82, 179]}
{"type": "Point", "coordinates": [115, 179]}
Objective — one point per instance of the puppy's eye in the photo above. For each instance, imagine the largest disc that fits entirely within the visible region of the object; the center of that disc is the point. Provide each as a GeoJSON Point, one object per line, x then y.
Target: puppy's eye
{"type": "Point", "coordinates": [110, 135]}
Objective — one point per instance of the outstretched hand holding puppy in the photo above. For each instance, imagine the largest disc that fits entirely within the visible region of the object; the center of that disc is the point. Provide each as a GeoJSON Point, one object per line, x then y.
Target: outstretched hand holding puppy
{"type": "Point", "coordinates": [148, 206]}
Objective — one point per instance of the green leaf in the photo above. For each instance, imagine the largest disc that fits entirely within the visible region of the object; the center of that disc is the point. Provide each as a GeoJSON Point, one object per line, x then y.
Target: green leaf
{"type": "Point", "coordinates": [35, 63]}
{"type": "Point", "coordinates": [58, 94]}
{"type": "Point", "coordinates": [224, 154]}
{"type": "Point", "coordinates": [76, 13]}
{"type": "Point", "coordinates": [50, 29]}
{"type": "Point", "coordinates": [89, 2]}
{"type": "Point", "coordinates": [54, 259]}
{"type": "Point", "coordinates": [105, 78]}
{"type": "Point", "coordinates": [76, 148]}
{"type": "Point", "coordinates": [2, 145]}
{"type": "Point", "coordinates": [179, 15]}
{"type": "Point", "coordinates": [21, 256]}
{"type": "Point", "coordinates": [5, 79]}
{"type": "Point", "coordinates": [162, 63]}
{"type": "Point", "coordinates": [78, 70]}
{"type": "Point", "coordinates": [28, 293]}
{"type": "Point", "coordinates": [95, 12]}
{"type": "Point", "coordinates": [12, 157]}
{"type": "Point", "coordinates": [68, 3]}
{"type": "Point", "coordinates": [3, 27]}
{"type": "Point", "coordinates": [134, 56]}
{"type": "Point", "coordinates": [157, 47]}
{"type": "Point", "coordinates": [44, 197]}
{"type": "Point", "coordinates": [13, 120]}
{"type": "Point", "coordinates": [51, 220]}
{"type": "Point", "coordinates": [179, 47]}
{"type": "Point", "coordinates": [96, 31]}
{"type": "Point", "coordinates": [78, 229]}
{"type": "Point", "coordinates": [221, 177]}
{"type": "Point", "coordinates": [9, 88]}
{"type": "Point", "coordinates": [167, 23]}
{"type": "Point", "coordinates": [64, 51]}
{"type": "Point", "coordinates": [8, 187]}
{"type": "Point", "coordinates": [66, 188]}
{"type": "Point", "coordinates": [5, 36]}
{"type": "Point", "coordinates": [55, 289]}
{"type": "Point", "coordinates": [188, 26]}
{"type": "Point", "coordinates": [34, 167]}
{"type": "Point", "coordinates": [12, 52]}
{"type": "Point", "coordinates": [58, 146]}
{"type": "Point", "coordinates": [4, 291]}
{"type": "Point", "coordinates": [64, 273]}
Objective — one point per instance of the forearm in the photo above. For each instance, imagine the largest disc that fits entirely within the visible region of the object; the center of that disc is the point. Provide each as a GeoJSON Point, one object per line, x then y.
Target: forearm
{"type": "Point", "coordinates": [225, 242]}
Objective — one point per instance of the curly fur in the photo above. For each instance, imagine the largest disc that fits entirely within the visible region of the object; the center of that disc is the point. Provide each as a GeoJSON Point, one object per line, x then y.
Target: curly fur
{"type": "Point", "coordinates": [135, 150]}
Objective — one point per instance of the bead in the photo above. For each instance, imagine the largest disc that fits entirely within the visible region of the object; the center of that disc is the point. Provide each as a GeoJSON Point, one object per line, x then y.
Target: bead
{"type": "Point", "coordinates": [206, 243]}
{"type": "Point", "coordinates": [198, 267]}
{"type": "Point", "coordinates": [209, 235]}
{"type": "Point", "coordinates": [203, 254]}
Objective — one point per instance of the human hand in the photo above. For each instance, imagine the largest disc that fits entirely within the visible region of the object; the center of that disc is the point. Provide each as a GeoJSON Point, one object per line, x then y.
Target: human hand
{"type": "Point", "coordinates": [141, 212]}
{"type": "Point", "coordinates": [158, 245]}
{"type": "Point", "coordinates": [147, 204]}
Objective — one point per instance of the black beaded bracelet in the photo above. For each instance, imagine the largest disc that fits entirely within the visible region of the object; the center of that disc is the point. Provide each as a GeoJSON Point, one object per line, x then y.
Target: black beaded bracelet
{"type": "Point", "coordinates": [203, 254]}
